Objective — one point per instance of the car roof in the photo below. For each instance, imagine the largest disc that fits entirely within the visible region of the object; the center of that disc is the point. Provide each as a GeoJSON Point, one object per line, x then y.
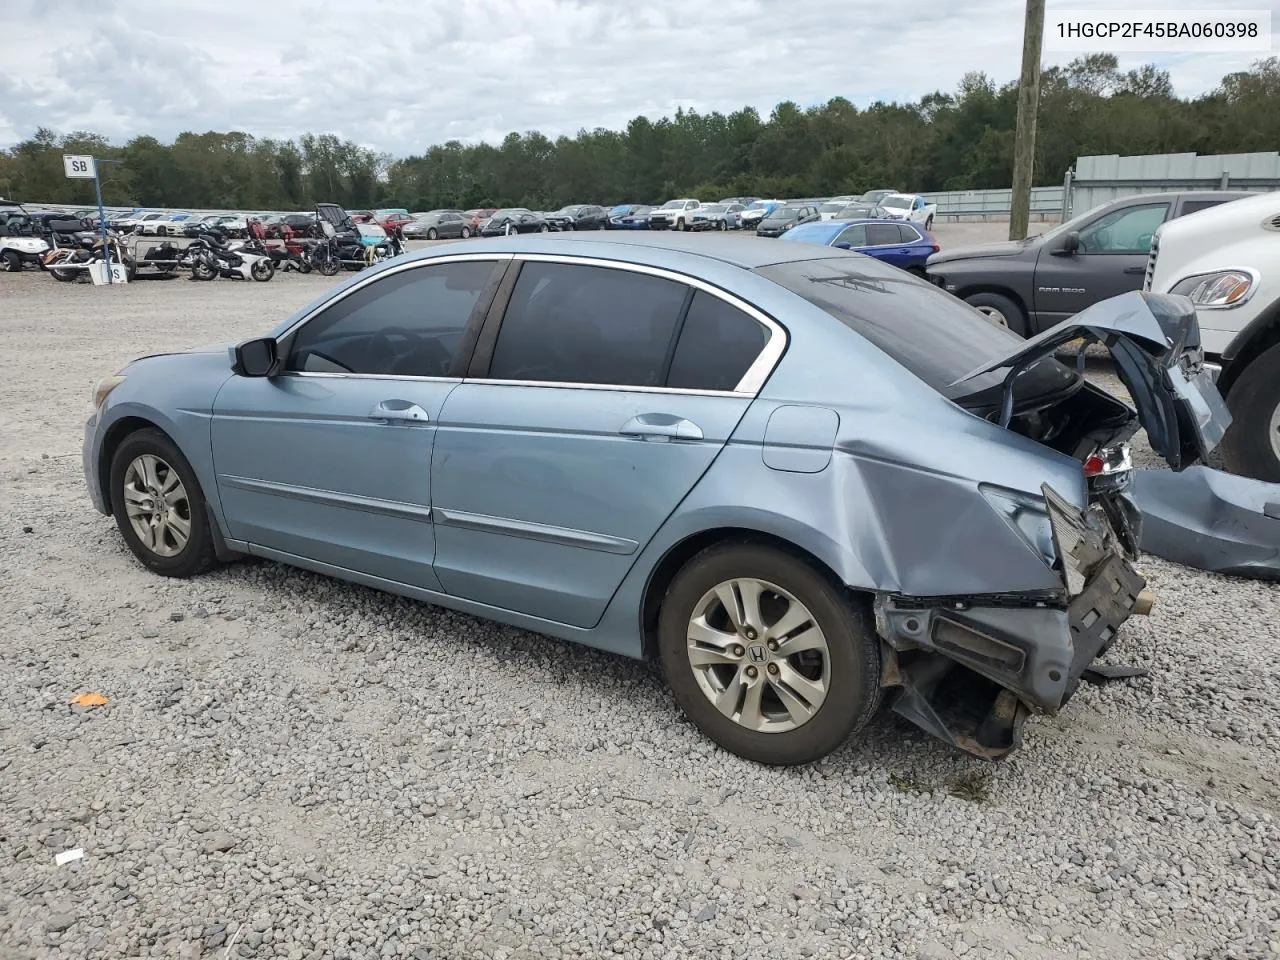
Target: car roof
{"type": "Point", "coordinates": [745, 252]}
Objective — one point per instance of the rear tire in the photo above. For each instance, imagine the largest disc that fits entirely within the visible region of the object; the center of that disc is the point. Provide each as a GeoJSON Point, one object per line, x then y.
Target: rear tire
{"type": "Point", "coordinates": [196, 554]}
{"type": "Point", "coordinates": [928, 224]}
{"type": "Point", "coordinates": [12, 261]}
{"type": "Point", "coordinates": [201, 269]}
{"type": "Point", "coordinates": [842, 650]}
{"type": "Point", "coordinates": [1000, 310]}
{"type": "Point", "coordinates": [1251, 447]}
{"type": "Point", "coordinates": [466, 233]}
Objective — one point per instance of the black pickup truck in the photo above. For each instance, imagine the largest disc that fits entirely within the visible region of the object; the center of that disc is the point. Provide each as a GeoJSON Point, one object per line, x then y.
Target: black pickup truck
{"type": "Point", "coordinates": [1030, 285]}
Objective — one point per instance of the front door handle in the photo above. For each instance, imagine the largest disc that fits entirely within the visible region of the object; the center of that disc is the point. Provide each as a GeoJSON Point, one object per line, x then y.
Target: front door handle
{"type": "Point", "coordinates": [398, 411]}
{"type": "Point", "coordinates": [661, 426]}
{"type": "Point", "coordinates": [1141, 269]}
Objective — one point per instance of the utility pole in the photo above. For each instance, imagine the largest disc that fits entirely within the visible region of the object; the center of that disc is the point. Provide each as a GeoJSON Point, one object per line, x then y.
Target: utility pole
{"type": "Point", "coordinates": [1024, 144]}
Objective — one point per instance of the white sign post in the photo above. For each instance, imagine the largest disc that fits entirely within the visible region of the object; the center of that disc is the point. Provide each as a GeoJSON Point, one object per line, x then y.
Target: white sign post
{"type": "Point", "coordinates": [79, 168]}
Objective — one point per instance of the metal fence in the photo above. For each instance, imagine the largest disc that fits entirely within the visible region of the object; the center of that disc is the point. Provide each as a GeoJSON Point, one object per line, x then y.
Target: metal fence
{"type": "Point", "coordinates": [1046, 204]}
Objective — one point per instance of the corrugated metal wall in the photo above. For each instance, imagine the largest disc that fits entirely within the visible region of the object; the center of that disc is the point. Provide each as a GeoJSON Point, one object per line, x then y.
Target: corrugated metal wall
{"type": "Point", "coordinates": [1099, 179]}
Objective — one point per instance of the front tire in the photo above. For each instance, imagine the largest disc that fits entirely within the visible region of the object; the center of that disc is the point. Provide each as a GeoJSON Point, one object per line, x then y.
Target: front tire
{"type": "Point", "coordinates": [433, 234]}
{"type": "Point", "coordinates": [263, 270]}
{"type": "Point", "coordinates": [680, 227]}
{"type": "Point", "coordinates": [767, 655]}
{"type": "Point", "coordinates": [1000, 310]}
{"type": "Point", "coordinates": [328, 266]}
{"type": "Point", "coordinates": [1251, 447]}
{"type": "Point", "coordinates": [159, 507]}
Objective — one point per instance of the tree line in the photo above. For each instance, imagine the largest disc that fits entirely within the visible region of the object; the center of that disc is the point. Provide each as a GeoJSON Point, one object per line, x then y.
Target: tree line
{"type": "Point", "coordinates": [945, 141]}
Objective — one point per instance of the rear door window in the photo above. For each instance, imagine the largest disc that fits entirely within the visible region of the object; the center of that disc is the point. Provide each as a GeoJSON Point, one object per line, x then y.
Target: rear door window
{"type": "Point", "coordinates": [883, 234]}
{"type": "Point", "coordinates": [570, 323]}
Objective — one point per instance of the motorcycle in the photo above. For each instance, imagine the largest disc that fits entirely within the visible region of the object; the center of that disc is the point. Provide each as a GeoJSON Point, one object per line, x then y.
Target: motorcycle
{"type": "Point", "coordinates": [291, 253]}
{"type": "Point", "coordinates": [73, 250]}
{"type": "Point", "coordinates": [349, 244]}
{"type": "Point", "coordinates": [211, 256]}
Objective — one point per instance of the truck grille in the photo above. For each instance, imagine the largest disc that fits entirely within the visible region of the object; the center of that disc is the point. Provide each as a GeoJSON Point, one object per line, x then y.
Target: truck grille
{"type": "Point", "coordinates": [1151, 264]}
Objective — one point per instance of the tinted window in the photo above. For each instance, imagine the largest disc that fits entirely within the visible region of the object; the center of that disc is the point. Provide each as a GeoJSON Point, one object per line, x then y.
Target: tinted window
{"type": "Point", "coordinates": [718, 343]}
{"type": "Point", "coordinates": [407, 324]}
{"type": "Point", "coordinates": [1192, 206]}
{"type": "Point", "coordinates": [881, 234]}
{"type": "Point", "coordinates": [580, 324]}
{"type": "Point", "coordinates": [933, 334]}
{"type": "Point", "coordinates": [1128, 230]}
{"type": "Point", "coordinates": [908, 233]}
{"type": "Point", "coordinates": [855, 235]}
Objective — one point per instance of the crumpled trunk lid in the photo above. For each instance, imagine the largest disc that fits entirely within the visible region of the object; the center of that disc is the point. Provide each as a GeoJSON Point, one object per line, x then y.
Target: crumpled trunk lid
{"type": "Point", "coordinates": [1154, 340]}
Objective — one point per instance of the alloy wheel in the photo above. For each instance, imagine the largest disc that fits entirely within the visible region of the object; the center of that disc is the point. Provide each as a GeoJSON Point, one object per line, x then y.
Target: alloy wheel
{"type": "Point", "coordinates": [1273, 431]}
{"type": "Point", "coordinates": [157, 505]}
{"type": "Point", "coordinates": [758, 655]}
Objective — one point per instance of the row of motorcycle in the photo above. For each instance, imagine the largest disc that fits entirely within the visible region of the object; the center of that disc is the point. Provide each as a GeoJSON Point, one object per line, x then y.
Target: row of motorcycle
{"type": "Point", "coordinates": [213, 254]}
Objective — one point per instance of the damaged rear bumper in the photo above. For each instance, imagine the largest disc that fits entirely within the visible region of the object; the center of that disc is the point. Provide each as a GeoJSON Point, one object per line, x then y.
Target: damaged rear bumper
{"type": "Point", "coordinates": [970, 670]}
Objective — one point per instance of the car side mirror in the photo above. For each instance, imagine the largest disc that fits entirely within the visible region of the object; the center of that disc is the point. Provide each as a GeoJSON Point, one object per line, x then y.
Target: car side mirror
{"type": "Point", "coordinates": [844, 245]}
{"type": "Point", "coordinates": [1070, 244]}
{"type": "Point", "coordinates": [256, 358]}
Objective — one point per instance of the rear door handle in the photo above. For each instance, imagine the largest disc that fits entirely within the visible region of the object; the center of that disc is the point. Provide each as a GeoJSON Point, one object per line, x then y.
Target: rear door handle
{"type": "Point", "coordinates": [661, 427]}
{"type": "Point", "coordinates": [398, 411]}
{"type": "Point", "coordinates": [1141, 269]}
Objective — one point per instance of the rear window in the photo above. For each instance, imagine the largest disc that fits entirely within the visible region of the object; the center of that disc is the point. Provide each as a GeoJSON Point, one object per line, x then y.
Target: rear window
{"type": "Point", "coordinates": [934, 335]}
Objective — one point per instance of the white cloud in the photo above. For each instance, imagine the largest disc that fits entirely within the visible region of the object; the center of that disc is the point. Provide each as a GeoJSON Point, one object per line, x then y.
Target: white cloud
{"type": "Point", "coordinates": [399, 76]}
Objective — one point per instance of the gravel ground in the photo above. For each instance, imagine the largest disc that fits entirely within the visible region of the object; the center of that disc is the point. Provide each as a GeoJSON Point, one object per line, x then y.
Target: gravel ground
{"type": "Point", "coordinates": [294, 767]}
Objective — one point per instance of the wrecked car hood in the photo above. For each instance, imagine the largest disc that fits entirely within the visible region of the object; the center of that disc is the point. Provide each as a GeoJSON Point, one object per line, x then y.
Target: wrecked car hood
{"type": "Point", "coordinates": [1155, 342]}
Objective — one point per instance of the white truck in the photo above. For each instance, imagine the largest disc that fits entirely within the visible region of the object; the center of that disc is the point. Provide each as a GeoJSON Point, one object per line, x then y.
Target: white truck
{"type": "Point", "coordinates": [1227, 260]}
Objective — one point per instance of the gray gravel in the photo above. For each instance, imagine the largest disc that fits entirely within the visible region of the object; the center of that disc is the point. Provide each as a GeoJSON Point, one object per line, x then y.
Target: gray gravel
{"type": "Point", "coordinates": [293, 767]}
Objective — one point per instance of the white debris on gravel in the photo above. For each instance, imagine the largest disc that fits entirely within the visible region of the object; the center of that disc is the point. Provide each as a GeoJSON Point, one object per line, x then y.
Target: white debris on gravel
{"type": "Point", "coordinates": [294, 767]}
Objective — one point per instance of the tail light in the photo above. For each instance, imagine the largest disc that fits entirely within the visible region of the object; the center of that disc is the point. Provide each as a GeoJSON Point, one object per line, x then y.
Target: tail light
{"type": "Point", "coordinates": [936, 248]}
{"type": "Point", "coordinates": [1109, 467]}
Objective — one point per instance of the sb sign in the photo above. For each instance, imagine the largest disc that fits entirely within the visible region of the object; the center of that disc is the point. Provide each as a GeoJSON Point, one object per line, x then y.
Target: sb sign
{"type": "Point", "coordinates": [78, 167]}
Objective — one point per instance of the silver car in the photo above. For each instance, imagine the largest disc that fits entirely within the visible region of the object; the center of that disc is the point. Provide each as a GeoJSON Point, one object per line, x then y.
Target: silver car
{"type": "Point", "coordinates": [438, 225]}
{"type": "Point", "coordinates": [805, 481]}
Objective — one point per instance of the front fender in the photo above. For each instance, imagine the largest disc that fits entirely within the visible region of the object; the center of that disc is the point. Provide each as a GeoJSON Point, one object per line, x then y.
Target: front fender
{"type": "Point", "coordinates": [175, 393]}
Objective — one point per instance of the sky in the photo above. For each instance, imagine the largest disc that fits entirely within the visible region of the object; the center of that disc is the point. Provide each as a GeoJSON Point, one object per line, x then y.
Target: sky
{"type": "Point", "coordinates": [400, 75]}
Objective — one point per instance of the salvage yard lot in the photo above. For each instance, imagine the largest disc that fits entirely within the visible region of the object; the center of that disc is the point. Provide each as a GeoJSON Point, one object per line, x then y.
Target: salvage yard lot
{"type": "Point", "coordinates": [314, 769]}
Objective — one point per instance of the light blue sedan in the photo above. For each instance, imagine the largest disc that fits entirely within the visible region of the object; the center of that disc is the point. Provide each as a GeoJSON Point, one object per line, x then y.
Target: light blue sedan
{"type": "Point", "coordinates": [804, 480]}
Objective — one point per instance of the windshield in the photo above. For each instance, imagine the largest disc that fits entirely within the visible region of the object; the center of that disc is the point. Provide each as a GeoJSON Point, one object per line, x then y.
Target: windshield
{"type": "Point", "coordinates": [1072, 224]}
{"type": "Point", "coordinates": [673, 205]}
{"type": "Point", "coordinates": [933, 334]}
{"type": "Point", "coordinates": [572, 209]}
{"type": "Point", "coordinates": [831, 207]}
{"type": "Point", "coordinates": [852, 210]}
{"type": "Point", "coordinates": [713, 208]}
{"type": "Point", "coordinates": [759, 205]}
{"type": "Point", "coordinates": [874, 196]}
{"type": "Point", "coordinates": [896, 203]}
{"type": "Point", "coordinates": [784, 213]}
